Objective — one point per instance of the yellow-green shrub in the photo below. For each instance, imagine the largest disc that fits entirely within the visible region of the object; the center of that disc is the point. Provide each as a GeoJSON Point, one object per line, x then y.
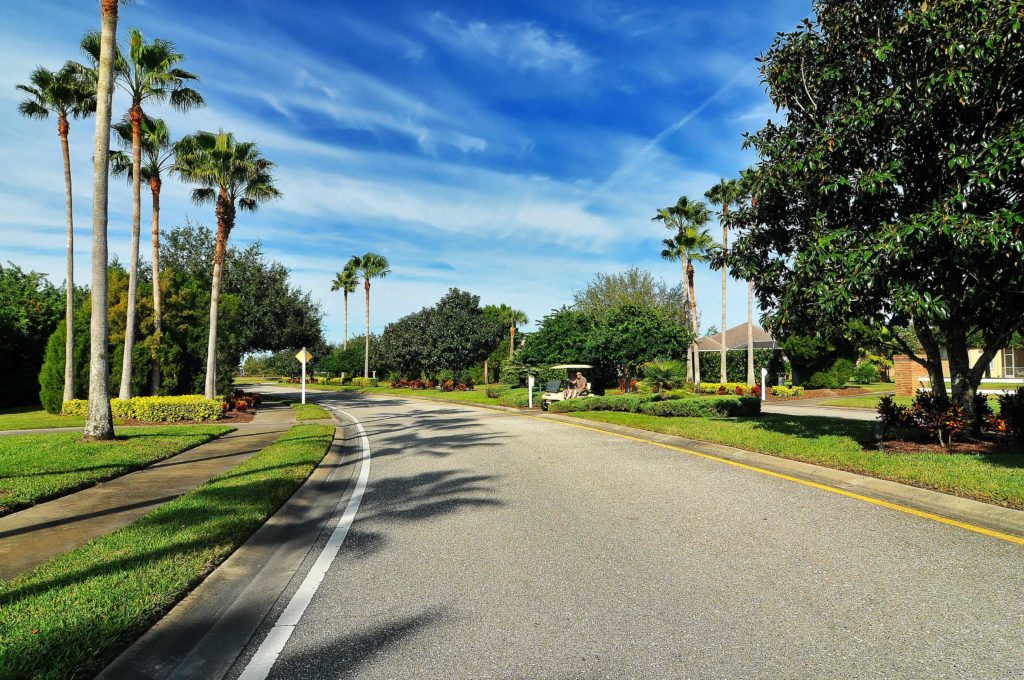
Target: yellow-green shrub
{"type": "Point", "coordinates": [365, 382]}
{"type": "Point", "coordinates": [154, 409]}
{"type": "Point", "coordinates": [784, 391]}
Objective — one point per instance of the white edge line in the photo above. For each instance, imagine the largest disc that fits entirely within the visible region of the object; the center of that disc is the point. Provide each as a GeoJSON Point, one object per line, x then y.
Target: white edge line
{"type": "Point", "coordinates": [259, 666]}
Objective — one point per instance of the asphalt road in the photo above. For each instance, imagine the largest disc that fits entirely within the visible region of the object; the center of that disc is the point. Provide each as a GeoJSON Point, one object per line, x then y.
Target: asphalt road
{"type": "Point", "coordinates": [490, 544]}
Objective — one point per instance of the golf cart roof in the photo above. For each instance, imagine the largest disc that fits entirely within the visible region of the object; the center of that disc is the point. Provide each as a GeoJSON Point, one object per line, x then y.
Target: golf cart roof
{"type": "Point", "coordinates": [572, 366]}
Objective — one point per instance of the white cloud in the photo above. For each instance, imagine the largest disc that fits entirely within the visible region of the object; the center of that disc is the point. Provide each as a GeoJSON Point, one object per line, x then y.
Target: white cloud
{"type": "Point", "coordinates": [523, 45]}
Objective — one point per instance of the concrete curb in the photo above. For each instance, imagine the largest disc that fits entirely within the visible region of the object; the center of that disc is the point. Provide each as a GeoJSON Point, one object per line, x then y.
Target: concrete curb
{"type": "Point", "coordinates": [204, 633]}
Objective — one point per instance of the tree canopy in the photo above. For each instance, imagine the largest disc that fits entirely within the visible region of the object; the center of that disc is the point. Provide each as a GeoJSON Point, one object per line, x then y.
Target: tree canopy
{"type": "Point", "coordinates": [892, 190]}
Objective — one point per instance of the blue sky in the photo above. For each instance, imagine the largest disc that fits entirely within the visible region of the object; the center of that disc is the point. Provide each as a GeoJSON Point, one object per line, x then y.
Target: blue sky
{"type": "Point", "coordinates": [513, 149]}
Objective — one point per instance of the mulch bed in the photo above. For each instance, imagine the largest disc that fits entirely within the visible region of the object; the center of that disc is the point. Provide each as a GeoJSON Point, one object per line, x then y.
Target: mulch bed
{"type": "Point", "coordinates": [968, 446]}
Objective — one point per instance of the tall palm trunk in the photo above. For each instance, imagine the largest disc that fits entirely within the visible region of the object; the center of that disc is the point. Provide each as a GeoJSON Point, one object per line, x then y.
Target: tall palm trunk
{"type": "Point", "coordinates": [99, 423]}
{"type": "Point", "coordinates": [511, 340]}
{"type": "Point", "coordinates": [366, 353]}
{"type": "Point", "coordinates": [344, 294]}
{"type": "Point", "coordinates": [750, 333]}
{"type": "Point", "coordinates": [725, 268]}
{"type": "Point", "coordinates": [689, 310]}
{"type": "Point", "coordinates": [693, 319]}
{"type": "Point", "coordinates": [154, 188]}
{"type": "Point", "coordinates": [125, 392]}
{"type": "Point", "coordinates": [69, 297]}
{"type": "Point", "coordinates": [225, 221]}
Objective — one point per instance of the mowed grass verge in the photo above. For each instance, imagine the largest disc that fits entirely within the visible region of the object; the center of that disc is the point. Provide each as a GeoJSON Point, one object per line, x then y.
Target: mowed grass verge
{"type": "Point", "coordinates": [310, 412]}
{"type": "Point", "coordinates": [836, 443]}
{"type": "Point", "coordinates": [870, 401]}
{"type": "Point", "coordinates": [38, 467]}
{"type": "Point", "coordinates": [35, 418]}
{"type": "Point", "coordinates": [72, 615]}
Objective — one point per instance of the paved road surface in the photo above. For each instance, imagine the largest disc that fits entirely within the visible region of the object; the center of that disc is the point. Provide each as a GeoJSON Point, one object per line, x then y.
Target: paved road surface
{"type": "Point", "coordinates": [497, 545]}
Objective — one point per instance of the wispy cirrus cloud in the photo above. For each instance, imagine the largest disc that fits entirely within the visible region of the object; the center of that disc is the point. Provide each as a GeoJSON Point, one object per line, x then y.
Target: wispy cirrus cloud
{"type": "Point", "coordinates": [524, 45]}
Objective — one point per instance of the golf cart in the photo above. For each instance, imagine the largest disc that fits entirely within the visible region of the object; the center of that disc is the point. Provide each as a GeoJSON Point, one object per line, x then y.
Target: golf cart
{"type": "Point", "coordinates": [555, 389]}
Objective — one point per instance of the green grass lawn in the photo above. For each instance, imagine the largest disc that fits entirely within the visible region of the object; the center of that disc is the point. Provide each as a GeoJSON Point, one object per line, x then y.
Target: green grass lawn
{"type": "Point", "coordinates": [72, 615]}
{"type": "Point", "coordinates": [837, 443]}
{"type": "Point", "coordinates": [875, 387]}
{"type": "Point", "coordinates": [871, 401]}
{"type": "Point", "coordinates": [34, 418]}
{"type": "Point", "coordinates": [310, 412]}
{"type": "Point", "coordinates": [251, 380]}
{"type": "Point", "coordinates": [37, 467]}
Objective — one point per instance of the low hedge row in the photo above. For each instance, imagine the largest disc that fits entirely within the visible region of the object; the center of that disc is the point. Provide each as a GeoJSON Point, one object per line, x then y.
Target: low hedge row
{"type": "Point", "coordinates": [678, 405]}
{"type": "Point", "coordinates": [154, 409]}
{"type": "Point", "coordinates": [518, 398]}
{"type": "Point", "coordinates": [365, 382]}
{"type": "Point", "coordinates": [786, 391]}
{"type": "Point", "coordinates": [704, 407]}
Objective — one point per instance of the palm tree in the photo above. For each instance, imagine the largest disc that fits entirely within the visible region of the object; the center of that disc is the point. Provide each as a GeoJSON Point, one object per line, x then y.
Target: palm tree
{"type": "Point", "coordinates": [369, 266]}
{"type": "Point", "coordinates": [691, 243]}
{"type": "Point", "coordinates": [68, 93]}
{"type": "Point", "coordinates": [512, 318]}
{"type": "Point", "coordinates": [233, 176]}
{"type": "Point", "coordinates": [99, 422]}
{"type": "Point", "coordinates": [346, 281]}
{"type": "Point", "coordinates": [725, 194]}
{"type": "Point", "coordinates": [158, 158]}
{"type": "Point", "coordinates": [148, 73]}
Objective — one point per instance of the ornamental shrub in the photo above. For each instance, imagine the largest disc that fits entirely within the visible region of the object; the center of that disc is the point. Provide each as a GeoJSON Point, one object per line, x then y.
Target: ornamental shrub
{"type": "Point", "coordinates": [497, 391]}
{"type": "Point", "coordinates": [155, 409]}
{"type": "Point", "coordinates": [518, 398]}
{"type": "Point", "coordinates": [832, 379]}
{"type": "Point", "coordinates": [939, 416]}
{"type": "Point", "coordinates": [786, 391]}
{"type": "Point", "coordinates": [894, 415]}
{"type": "Point", "coordinates": [723, 388]}
{"type": "Point", "coordinates": [626, 403]}
{"type": "Point", "coordinates": [365, 382]}
{"type": "Point", "coordinates": [705, 407]}
{"type": "Point", "coordinates": [866, 372]}
{"type": "Point", "coordinates": [1011, 412]}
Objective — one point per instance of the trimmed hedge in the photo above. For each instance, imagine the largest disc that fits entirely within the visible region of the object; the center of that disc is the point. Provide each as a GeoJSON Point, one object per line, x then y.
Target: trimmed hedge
{"type": "Point", "coordinates": [730, 406]}
{"type": "Point", "coordinates": [784, 391]}
{"type": "Point", "coordinates": [365, 382]}
{"type": "Point", "coordinates": [154, 409]}
{"type": "Point", "coordinates": [519, 398]}
{"type": "Point", "coordinates": [628, 403]}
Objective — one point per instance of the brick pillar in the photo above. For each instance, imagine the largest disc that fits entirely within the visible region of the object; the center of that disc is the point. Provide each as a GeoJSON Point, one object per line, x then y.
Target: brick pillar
{"type": "Point", "coordinates": [907, 373]}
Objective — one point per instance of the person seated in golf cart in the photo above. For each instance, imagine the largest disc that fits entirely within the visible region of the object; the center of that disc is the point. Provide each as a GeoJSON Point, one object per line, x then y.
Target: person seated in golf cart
{"type": "Point", "coordinates": [576, 386]}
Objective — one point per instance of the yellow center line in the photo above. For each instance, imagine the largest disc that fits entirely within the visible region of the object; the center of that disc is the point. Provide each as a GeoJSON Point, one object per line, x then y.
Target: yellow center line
{"type": "Point", "coordinates": [824, 487]}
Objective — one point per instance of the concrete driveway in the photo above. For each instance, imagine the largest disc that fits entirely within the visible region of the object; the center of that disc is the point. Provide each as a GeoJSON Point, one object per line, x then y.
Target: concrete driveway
{"type": "Point", "coordinates": [490, 544]}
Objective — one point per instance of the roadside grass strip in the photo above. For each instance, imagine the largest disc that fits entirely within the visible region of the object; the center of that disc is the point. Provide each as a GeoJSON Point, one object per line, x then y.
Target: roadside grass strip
{"type": "Point", "coordinates": [38, 467]}
{"type": "Point", "coordinates": [72, 615]}
{"type": "Point", "coordinates": [310, 412]}
{"type": "Point", "coordinates": [870, 401]}
{"type": "Point", "coordinates": [34, 418]}
{"type": "Point", "coordinates": [839, 444]}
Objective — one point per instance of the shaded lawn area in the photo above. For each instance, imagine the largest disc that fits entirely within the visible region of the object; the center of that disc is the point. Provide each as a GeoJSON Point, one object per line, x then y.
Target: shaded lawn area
{"type": "Point", "coordinates": [38, 467]}
{"type": "Point", "coordinates": [310, 412]}
{"type": "Point", "coordinates": [875, 387]}
{"type": "Point", "coordinates": [34, 418]}
{"type": "Point", "coordinates": [72, 615]}
{"type": "Point", "coordinates": [871, 401]}
{"type": "Point", "coordinates": [836, 443]}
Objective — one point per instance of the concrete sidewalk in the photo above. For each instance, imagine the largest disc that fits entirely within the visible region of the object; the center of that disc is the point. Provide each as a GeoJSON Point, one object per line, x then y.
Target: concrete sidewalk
{"type": "Point", "coordinates": [32, 536]}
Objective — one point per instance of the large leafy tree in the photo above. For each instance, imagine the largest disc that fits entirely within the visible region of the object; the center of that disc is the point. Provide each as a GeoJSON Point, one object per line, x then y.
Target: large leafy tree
{"type": "Point", "coordinates": [233, 176]}
{"type": "Point", "coordinates": [147, 72]}
{"type": "Point", "coordinates": [157, 160]}
{"type": "Point", "coordinates": [30, 309]}
{"type": "Point", "coordinates": [346, 281]}
{"type": "Point", "coordinates": [892, 191]}
{"type": "Point", "coordinates": [726, 194]}
{"type": "Point", "coordinates": [629, 336]}
{"type": "Point", "coordinates": [368, 266]}
{"type": "Point", "coordinates": [458, 334]}
{"type": "Point", "coordinates": [67, 93]}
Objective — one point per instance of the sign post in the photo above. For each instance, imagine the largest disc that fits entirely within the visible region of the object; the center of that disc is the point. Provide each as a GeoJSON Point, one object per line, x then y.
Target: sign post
{"type": "Point", "coordinates": [530, 380]}
{"type": "Point", "coordinates": [303, 356]}
{"type": "Point", "coordinates": [764, 384]}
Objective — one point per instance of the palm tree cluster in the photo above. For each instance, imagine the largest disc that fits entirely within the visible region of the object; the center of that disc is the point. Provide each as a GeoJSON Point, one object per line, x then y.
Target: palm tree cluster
{"type": "Point", "coordinates": [692, 243]}
{"type": "Point", "coordinates": [368, 266]}
{"type": "Point", "coordinates": [229, 174]}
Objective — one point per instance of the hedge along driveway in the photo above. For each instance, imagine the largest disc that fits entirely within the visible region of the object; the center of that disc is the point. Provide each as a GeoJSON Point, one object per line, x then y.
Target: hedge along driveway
{"type": "Point", "coordinates": [38, 467]}
{"type": "Point", "coordinates": [72, 615]}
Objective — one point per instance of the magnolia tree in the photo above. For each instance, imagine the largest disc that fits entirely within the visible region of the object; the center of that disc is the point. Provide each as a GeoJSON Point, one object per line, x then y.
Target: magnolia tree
{"type": "Point", "coordinates": [891, 190]}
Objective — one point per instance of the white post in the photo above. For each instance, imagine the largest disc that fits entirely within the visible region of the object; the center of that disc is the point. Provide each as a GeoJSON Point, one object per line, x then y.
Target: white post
{"type": "Point", "coordinates": [303, 375]}
{"type": "Point", "coordinates": [530, 381]}
{"type": "Point", "coordinates": [764, 384]}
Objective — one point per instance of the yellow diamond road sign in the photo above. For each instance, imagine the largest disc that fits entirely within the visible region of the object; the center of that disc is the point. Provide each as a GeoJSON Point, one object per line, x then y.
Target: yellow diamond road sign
{"type": "Point", "coordinates": [303, 356]}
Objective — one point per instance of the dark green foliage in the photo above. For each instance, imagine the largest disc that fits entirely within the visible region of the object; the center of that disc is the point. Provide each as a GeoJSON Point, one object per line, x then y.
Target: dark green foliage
{"type": "Point", "coordinates": [627, 403]}
{"type": "Point", "coordinates": [834, 378]}
{"type": "Point", "coordinates": [51, 375]}
{"type": "Point", "coordinates": [704, 407]}
{"type": "Point", "coordinates": [628, 336]}
{"type": "Point", "coordinates": [30, 310]}
{"type": "Point", "coordinates": [336, 361]}
{"type": "Point", "coordinates": [866, 373]}
{"type": "Point", "coordinates": [890, 189]}
{"type": "Point", "coordinates": [736, 365]}
{"type": "Point", "coordinates": [563, 338]}
{"type": "Point", "coordinates": [1011, 411]}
